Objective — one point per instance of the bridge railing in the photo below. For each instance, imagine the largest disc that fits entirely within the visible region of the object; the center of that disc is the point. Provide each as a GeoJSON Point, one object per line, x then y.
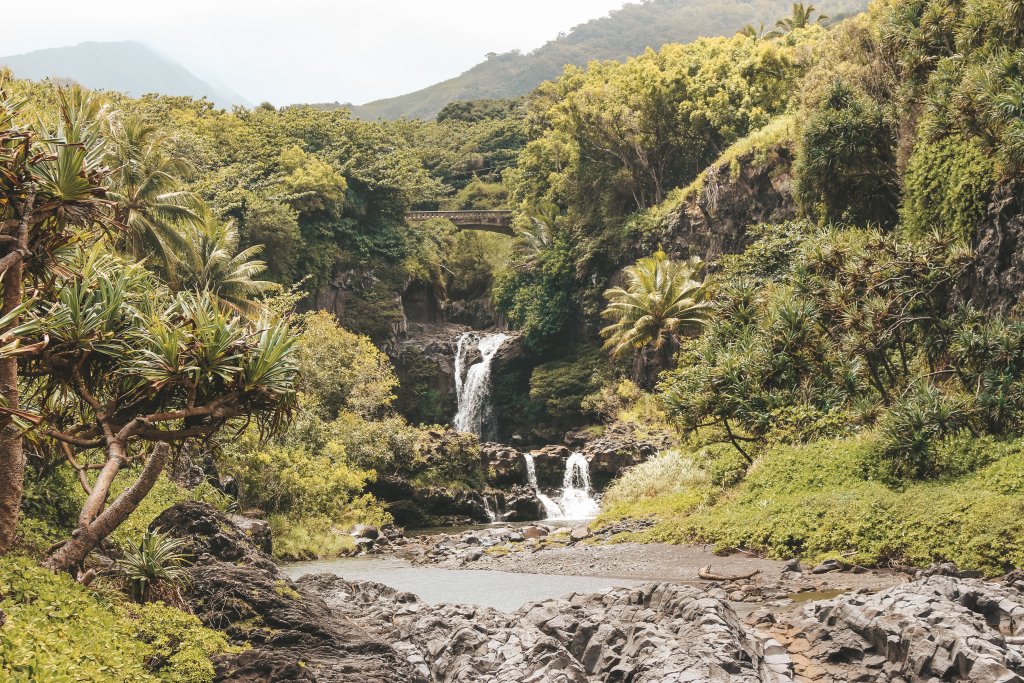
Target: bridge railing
{"type": "Point", "coordinates": [496, 216]}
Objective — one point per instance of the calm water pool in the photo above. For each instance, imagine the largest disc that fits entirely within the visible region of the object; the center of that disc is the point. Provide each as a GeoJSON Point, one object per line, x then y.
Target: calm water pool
{"type": "Point", "coordinates": [506, 591]}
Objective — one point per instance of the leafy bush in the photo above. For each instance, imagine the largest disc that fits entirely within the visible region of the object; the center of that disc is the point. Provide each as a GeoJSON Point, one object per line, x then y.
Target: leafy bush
{"type": "Point", "coordinates": [310, 538]}
{"type": "Point", "coordinates": [947, 186]}
{"type": "Point", "coordinates": [561, 386]}
{"type": "Point", "coordinates": [154, 562]}
{"type": "Point", "coordinates": [343, 370]}
{"type": "Point", "coordinates": [61, 632]}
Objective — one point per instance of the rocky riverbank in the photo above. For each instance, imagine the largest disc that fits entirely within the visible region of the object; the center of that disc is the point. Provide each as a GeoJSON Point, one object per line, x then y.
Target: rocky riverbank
{"type": "Point", "coordinates": [938, 626]}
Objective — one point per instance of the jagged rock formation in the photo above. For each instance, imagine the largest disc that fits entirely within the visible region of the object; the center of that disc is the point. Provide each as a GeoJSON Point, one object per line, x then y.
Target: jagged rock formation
{"type": "Point", "coordinates": [995, 278]}
{"type": "Point", "coordinates": [939, 628]}
{"type": "Point", "coordinates": [233, 586]}
{"type": "Point", "coordinates": [325, 629]}
{"type": "Point", "coordinates": [661, 633]}
{"type": "Point", "coordinates": [757, 188]}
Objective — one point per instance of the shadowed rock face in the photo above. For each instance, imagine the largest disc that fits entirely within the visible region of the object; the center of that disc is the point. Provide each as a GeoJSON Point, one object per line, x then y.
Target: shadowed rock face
{"type": "Point", "coordinates": [995, 278]}
{"type": "Point", "coordinates": [295, 636]}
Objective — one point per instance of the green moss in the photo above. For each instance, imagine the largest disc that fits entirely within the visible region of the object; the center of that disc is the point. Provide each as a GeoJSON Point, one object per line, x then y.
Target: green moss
{"type": "Point", "coordinates": [59, 632]}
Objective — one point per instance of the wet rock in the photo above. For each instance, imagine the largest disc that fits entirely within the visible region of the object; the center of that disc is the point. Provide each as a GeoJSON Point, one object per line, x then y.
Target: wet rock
{"type": "Point", "coordinates": [366, 531]}
{"type": "Point", "coordinates": [523, 505]}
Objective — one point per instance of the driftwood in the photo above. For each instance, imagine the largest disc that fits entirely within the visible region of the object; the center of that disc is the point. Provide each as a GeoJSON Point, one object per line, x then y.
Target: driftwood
{"type": "Point", "coordinates": [708, 575]}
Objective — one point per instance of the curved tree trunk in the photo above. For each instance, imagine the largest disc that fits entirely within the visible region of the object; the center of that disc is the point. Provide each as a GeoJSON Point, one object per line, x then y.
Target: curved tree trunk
{"type": "Point", "coordinates": [12, 454]}
{"type": "Point", "coordinates": [70, 556]}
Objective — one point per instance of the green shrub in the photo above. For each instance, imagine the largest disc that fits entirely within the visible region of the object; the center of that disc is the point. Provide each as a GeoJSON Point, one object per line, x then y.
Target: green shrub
{"type": "Point", "coordinates": [946, 187]}
{"type": "Point", "coordinates": [308, 538]}
{"type": "Point", "coordinates": [61, 632]}
{"type": "Point", "coordinates": [819, 501]}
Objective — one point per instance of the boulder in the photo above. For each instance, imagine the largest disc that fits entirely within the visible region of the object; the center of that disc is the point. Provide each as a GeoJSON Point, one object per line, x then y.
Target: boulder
{"type": "Point", "coordinates": [523, 505]}
{"type": "Point", "coordinates": [235, 587]}
{"type": "Point", "coordinates": [534, 532]}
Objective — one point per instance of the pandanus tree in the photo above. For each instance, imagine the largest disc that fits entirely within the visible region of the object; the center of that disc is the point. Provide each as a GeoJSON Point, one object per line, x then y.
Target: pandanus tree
{"type": "Point", "coordinates": [51, 195]}
{"type": "Point", "coordinates": [661, 299]}
{"type": "Point", "coordinates": [129, 369]}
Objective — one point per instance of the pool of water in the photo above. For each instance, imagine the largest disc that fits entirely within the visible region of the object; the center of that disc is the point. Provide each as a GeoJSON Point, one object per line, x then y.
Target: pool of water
{"type": "Point", "coordinates": [506, 591]}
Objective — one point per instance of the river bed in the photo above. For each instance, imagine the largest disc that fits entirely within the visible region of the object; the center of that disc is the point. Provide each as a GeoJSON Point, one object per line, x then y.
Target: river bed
{"type": "Point", "coordinates": [506, 591]}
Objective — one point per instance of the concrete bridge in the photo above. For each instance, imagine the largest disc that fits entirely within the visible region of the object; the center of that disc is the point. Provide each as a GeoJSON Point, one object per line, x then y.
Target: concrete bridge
{"type": "Point", "coordinates": [491, 221]}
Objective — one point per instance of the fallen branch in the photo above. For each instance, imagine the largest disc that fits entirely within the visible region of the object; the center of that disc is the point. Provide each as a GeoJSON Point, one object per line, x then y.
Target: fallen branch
{"type": "Point", "coordinates": [706, 574]}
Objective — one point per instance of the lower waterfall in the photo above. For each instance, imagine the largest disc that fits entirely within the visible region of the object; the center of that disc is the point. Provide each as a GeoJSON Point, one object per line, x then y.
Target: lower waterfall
{"type": "Point", "coordinates": [577, 498]}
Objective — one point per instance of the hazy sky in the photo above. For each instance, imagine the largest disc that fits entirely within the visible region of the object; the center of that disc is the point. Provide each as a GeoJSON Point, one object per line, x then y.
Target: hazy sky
{"type": "Point", "coordinates": [288, 51]}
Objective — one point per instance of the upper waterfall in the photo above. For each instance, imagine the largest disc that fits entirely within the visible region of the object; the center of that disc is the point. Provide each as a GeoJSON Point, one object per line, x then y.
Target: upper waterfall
{"type": "Point", "coordinates": [473, 391]}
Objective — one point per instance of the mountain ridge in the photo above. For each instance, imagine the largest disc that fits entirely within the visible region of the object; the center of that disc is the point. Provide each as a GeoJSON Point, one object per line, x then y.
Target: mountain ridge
{"type": "Point", "coordinates": [127, 66]}
{"type": "Point", "coordinates": [620, 34]}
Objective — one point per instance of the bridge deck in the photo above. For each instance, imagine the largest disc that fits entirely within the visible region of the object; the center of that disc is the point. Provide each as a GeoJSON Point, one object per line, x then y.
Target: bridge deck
{"type": "Point", "coordinates": [492, 221]}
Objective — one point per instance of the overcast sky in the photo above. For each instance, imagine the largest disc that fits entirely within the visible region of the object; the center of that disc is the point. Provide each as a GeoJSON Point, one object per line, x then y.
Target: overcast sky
{"type": "Point", "coordinates": [288, 51]}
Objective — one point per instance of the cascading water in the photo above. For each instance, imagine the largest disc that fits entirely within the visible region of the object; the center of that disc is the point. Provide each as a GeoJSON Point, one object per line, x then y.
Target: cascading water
{"type": "Point", "coordinates": [577, 499]}
{"type": "Point", "coordinates": [551, 509]}
{"type": "Point", "coordinates": [473, 391]}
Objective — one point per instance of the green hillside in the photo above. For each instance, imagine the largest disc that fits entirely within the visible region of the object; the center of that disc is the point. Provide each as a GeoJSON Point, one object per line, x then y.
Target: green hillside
{"type": "Point", "coordinates": [623, 33]}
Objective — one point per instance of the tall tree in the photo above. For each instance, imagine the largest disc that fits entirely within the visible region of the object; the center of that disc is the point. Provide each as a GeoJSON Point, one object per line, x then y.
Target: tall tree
{"type": "Point", "coordinates": [662, 297]}
{"type": "Point", "coordinates": [51, 195]}
{"type": "Point", "coordinates": [145, 183]}
{"type": "Point", "coordinates": [800, 17]}
{"type": "Point", "coordinates": [209, 261]}
{"type": "Point", "coordinates": [130, 368]}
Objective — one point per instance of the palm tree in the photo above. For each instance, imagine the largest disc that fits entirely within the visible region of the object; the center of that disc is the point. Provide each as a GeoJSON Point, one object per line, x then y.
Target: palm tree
{"type": "Point", "coordinates": [756, 33]}
{"type": "Point", "coordinates": [146, 186]}
{"type": "Point", "coordinates": [662, 297]}
{"type": "Point", "coordinates": [800, 18]}
{"type": "Point", "coordinates": [209, 261]}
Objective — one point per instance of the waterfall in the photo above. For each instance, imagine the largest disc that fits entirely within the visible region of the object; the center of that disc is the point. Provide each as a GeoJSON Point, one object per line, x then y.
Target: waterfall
{"type": "Point", "coordinates": [492, 513]}
{"type": "Point", "coordinates": [577, 499]}
{"type": "Point", "coordinates": [551, 509]}
{"type": "Point", "coordinates": [473, 391]}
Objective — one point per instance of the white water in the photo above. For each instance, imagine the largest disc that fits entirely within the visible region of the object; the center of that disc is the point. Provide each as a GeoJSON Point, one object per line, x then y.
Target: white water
{"type": "Point", "coordinates": [551, 508]}
{"type": "Point", "coordinates": [491, 510]}
{"type": "Point", "coordinates": [474, 391]}
{"type": "Point", "coordinates": [577, 500]}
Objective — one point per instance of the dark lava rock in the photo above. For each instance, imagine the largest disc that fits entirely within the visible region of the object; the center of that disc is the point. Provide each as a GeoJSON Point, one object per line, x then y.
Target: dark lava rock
{"type": "Point", "coordinates": [940, 628]}
{"type": "Point", "coordinates": [294, 636]}
{"type": "Point", "coordinates": [210, 534]}
{"type": "Point", "coordinates": [828, 566]}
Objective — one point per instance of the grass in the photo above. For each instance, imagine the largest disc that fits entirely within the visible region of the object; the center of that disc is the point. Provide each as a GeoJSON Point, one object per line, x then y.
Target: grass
{"type": "Point", "coordinates": [820, 501]}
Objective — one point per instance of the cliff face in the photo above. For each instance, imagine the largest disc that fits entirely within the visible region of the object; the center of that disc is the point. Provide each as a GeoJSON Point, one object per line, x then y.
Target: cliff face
{"type": "Point", "coordinates": [755, 188]}
{"type": "Point", "coordinates": [995, 279]}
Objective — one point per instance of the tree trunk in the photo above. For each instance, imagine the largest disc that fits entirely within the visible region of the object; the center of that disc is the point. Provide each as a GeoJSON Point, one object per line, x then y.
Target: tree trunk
{"type": "Point", "coordinates": [12, 455]}
{"type": "Point", "coordinates": [70, 556]}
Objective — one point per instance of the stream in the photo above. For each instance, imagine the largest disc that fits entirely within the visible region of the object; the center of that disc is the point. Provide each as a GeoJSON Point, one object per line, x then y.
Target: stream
{"type": "Point", "coordinates": [505, 591]}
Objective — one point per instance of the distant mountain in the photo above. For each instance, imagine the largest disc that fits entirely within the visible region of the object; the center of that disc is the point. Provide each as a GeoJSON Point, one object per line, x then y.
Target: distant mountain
{"type": "Point", "coordinates": [623, 33]}
{"type": "Point", "coordinates": [126, 66]}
